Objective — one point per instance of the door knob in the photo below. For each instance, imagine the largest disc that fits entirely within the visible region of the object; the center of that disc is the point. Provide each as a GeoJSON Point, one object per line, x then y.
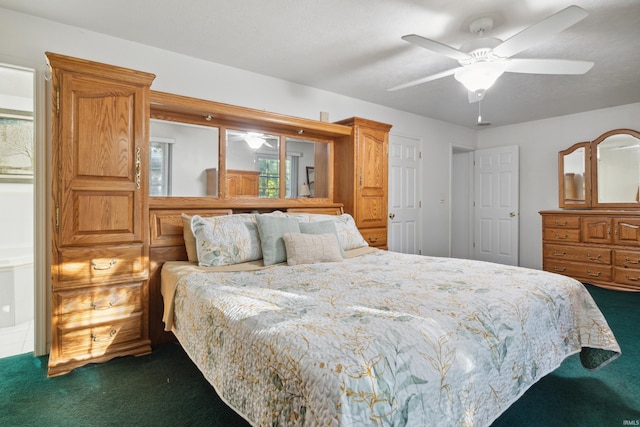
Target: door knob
{"type": "Point", "coordinates": [512, 214]}
{"type": "Point", "coordinates": [392, 215]}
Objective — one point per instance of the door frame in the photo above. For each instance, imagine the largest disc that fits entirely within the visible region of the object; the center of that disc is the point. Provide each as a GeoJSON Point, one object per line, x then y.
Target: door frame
{"type": "Point", "coordinates": [41, 201]}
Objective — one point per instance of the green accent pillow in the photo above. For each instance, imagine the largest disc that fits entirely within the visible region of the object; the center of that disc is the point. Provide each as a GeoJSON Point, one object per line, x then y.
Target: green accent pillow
{"type": "Point", "coordinates": [271, 228]}
{"type": "Point", "coordinates": [322, 227]}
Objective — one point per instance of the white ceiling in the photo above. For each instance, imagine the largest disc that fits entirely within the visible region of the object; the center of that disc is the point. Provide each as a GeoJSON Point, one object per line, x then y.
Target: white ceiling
{"type": "Point", "coordinates": [353, 47]}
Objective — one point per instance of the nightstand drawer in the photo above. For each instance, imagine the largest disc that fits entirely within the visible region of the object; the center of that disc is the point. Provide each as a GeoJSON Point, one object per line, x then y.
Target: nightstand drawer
{"type": "Point", "coordinates": [375, 236]}
{"type": "Point", "coordinates": [80, 265]}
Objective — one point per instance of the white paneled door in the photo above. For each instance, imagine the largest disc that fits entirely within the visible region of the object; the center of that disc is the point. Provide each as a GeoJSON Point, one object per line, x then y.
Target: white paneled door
{"type": "Point", "coordinates": [404, 202]}
{"type": "Point", "coordinates": [496, 222]}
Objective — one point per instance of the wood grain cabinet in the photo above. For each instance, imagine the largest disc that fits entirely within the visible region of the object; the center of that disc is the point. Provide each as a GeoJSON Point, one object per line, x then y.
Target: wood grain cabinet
{"type": "Point", "coordinates": [596, 247]}
{"type": "Point", "coordinates": [242, 183]}
{"type": "Point", "coordinates": [361, 177]}
{"type": "Point", "coordinates": [100, 229]}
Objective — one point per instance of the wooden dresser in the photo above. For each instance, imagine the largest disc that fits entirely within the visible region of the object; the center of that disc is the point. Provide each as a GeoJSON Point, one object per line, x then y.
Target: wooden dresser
{"type": "Point", "coordinates": [594, 246]}
{"type": "Point", "coordinates": [361, 177]}
{"type": "Point", "coordinates": [99, 223]}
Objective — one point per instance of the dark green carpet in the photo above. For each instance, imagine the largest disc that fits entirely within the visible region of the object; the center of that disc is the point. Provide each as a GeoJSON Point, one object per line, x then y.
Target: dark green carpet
{"type": "Point", "coordinates": [166, 389]}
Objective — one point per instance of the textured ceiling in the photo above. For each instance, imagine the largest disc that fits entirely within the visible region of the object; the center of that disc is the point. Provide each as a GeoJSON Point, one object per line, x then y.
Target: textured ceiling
{"type": "Point", "coordinates": [354, 47]}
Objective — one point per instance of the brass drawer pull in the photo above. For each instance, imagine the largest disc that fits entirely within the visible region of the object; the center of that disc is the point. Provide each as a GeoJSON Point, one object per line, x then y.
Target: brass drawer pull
{"type": "Point", "coordinates": [103, 267]}
{"type": "Point", "coordinates": [559, 253]}
{"type": "Point", "coordinates": [95, 338]}
{"type": "Point", "coordinates": [95, 306]}
{"type": "Point", "coordinates": [561, 237]}
{"type": "Point", "coordinates": [559, 224]}
{"type": "Point", "coordinates": [635, 279]}
{"type": "Point", "coordinates": [589, 273]}
{"type": "Point", "coordinates": [560, 269]}
{"type": "Point", "coordinates": [593, 258]}
{"type": "Point", "coordinates": [372, 240]}
{"type": "Point", "coordinates": [628, 261]}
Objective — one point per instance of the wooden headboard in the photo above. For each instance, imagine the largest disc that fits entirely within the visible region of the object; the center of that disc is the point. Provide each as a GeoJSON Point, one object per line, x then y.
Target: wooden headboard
{"type": "Point", "coordinates": [167, 244]}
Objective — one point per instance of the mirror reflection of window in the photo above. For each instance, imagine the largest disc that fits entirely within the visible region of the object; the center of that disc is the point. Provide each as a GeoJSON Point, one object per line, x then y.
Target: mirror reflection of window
{"type": "Point", "coordinates": [160, 166]}
{"type": "Point", "coordinates": [191, 168]}
{"type": "Point", "coordinates": [618, 160]}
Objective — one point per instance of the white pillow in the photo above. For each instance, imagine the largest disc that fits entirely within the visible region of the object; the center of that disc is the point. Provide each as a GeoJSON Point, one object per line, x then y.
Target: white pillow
{"type": "Point", "coordinates": [349, 235]}
{"type": "Point", "coordinates": [226, 240]}
{"type": "Point", "coordinates": [311, 248]}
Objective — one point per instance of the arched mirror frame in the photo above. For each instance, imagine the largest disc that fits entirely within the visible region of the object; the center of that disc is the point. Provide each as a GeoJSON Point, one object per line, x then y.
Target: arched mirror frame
{"type": "Point", "coordinates": [591, 175]}
{"type": "Point", "coordinates": [594, 168]}
{"type": "Point", "coordinates": [569, 198]}
{"type": "Point", "coordinates": [182, 109]}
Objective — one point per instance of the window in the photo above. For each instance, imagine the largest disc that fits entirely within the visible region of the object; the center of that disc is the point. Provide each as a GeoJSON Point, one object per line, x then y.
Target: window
{"type": "Point", "coordinates": [160, 167]}
{"type": "Point", "coordinates": [269, 179]}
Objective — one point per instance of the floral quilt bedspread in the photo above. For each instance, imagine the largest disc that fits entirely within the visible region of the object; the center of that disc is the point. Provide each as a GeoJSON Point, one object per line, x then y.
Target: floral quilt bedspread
{"type": "Point", "coordinates": [384, 339]}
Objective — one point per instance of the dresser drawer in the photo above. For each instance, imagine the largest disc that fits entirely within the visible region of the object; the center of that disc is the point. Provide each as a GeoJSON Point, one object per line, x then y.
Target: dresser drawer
{"type": "Point", "coordinates": [578, 253]}
{"type": "Point", "coordinates": [86, 306]}
{"type": "Point", "coordinates": [627, 259]}
{"type": "Point", "coordinates": [579, 270]}
{"type": "Point", "coordinates": [627, 276]}
{"type": "Point", "coordinates": [375, 236]}
{"type": "Point", "coordinates": [81, 265]}
{"type": "Point", "coordinates": [562, 235]}
{"type": "Point", "coordinates": [561, 221]}
{"type": "Point", "coordinates": [93, 341]}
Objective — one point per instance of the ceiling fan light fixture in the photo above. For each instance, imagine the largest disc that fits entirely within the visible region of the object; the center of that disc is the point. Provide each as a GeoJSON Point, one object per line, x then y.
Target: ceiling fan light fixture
{"type": "Point", "coordinates": [480, 76]}
{"type": "Point", "coordinates": [254, 140]}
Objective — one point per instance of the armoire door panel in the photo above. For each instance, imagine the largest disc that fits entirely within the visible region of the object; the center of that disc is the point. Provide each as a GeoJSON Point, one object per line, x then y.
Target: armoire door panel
{"type": "Point", "coordinates": [100, 127]}
{"type": "Point", "coordinates": [372, 212]}
{"type": "Point", "coordinates": [104, 139]}
{"type": "Point", "coordinates": [98, 217]}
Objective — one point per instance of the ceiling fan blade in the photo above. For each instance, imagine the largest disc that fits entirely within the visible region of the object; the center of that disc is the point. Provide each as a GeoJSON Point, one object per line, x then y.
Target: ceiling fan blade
{"type": "Point", "coordinates": [547, 66]}
{"type": "Point", "coordinates": [436, 47]}
{"type": "Point", "coordinates": [541, 31]}
{"type": "Point", "coordinates": [425, 79]}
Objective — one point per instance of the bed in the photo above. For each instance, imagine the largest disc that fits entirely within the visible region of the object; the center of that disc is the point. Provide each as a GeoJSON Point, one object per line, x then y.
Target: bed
{"type": "Point", "coordinates": [375, 338]}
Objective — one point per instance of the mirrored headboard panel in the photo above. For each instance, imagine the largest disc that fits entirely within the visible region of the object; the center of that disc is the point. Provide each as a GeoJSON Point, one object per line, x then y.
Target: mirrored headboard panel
{"type": "Point", "coordinates": [206, 149]}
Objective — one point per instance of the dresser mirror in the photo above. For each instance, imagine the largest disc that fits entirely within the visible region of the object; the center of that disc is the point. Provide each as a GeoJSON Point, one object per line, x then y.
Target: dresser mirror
{"type": "Point", "coordinates": [603, 173]}
{"type": "Point", "coordinates": [616, 166]}
{"type": "Point", "coordinates": [575, 176]}
{"type": "Point", "coordinates": [183, 159]}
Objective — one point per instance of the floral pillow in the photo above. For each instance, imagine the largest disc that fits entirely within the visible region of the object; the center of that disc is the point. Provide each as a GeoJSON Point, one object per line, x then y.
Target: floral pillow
{"type": "Point", "coordinates": [226, 240]}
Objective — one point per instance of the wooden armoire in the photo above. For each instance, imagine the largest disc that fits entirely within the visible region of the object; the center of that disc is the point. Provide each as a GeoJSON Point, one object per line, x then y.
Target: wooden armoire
{"type": "Point", "coordinates": [100, 120]}
{"type": "Point", "coordinates": [361, 177]}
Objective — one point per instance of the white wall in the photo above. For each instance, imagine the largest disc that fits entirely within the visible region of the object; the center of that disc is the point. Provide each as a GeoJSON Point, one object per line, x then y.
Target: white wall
{"type": "Point", "coordinates": [30, 37]}
{"type": "Point", "coordinates": [540, 141]}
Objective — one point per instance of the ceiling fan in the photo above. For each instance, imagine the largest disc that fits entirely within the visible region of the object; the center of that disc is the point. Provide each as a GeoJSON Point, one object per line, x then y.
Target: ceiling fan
{"type": "Point", "coordinates": [485, 59]}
